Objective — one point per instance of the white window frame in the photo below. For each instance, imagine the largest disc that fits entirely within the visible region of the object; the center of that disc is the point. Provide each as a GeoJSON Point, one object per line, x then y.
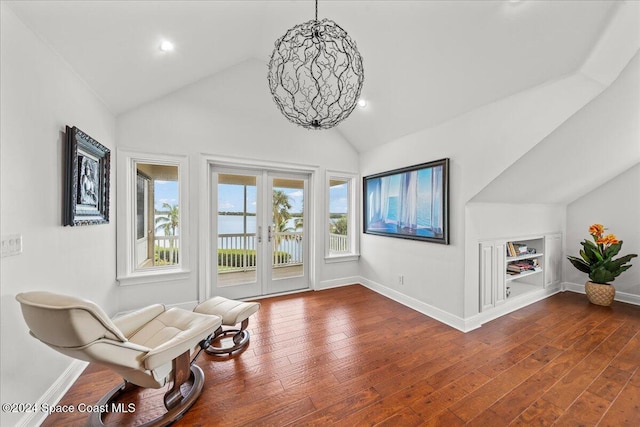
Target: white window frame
{"type": "Point", "coordinates": [353, 222]}
{"type": "Point", "coordinates": [127, 273]}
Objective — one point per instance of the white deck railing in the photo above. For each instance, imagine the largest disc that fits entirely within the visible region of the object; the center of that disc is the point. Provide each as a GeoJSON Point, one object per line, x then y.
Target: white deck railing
{"type": "Point", "coordinates": [338, 243]}
{"type": "Point", "coordinates": [236, 252]}
{"type": "Point", "coordinates": [169, 247]}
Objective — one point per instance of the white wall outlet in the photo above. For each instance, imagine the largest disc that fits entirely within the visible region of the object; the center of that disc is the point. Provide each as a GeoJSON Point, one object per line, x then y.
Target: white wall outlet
{"type": "Point", "coordinates": [400, 279]}
{"type": "Point", "coordinates": [11, 245]}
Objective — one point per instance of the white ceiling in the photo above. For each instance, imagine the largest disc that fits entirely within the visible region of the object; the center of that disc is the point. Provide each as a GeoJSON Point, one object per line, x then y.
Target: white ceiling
{"type": "Point", "coordinates": [425, 61]}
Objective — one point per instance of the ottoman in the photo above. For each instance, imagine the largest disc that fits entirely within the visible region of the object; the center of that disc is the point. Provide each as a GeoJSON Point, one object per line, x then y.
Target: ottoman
{"type": "Point", "coordinates": [232, 313]}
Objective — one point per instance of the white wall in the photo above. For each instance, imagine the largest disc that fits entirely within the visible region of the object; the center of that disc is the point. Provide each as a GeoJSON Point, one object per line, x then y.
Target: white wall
{"type": "Point", "coordinates": [39, 95]}
{"type": "Point", "coordinates": [231, 114]}
{"type": "Point", "coordinates": [527, 138]}
{"type": "Point", "coordinates": [481, 144]}
{"type": "Point", "coordinates": [597, 142]}
{"type": "Point", "coordinates": [616, 205]}
{"type": "Point", "coordinates": [603, 133]}
{"type": "Point", "coordinates": [509, 221]}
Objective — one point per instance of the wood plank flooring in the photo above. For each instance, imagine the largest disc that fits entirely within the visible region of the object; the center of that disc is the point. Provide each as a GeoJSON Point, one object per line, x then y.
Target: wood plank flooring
{"type": "Point", "coordinates": [351, 357]}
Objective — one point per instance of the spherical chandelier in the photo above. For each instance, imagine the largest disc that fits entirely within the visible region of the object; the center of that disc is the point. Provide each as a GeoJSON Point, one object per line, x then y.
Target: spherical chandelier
{"type": "Point", "coordinates": [315, 74]}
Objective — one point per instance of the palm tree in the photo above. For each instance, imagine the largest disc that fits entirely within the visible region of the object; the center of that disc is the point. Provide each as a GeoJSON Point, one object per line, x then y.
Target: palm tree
{"type": "Point", "coordinates": [169, 224]}
{"type": "Point", "coordinates": [281, 206]}
{"type": "Point", "coordinates": [281, 215]}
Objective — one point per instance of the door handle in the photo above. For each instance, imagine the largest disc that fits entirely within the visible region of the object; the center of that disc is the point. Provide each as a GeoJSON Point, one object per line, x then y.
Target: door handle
{"type": "Point", "coordinates": [259, 234]}
{"type": "Point", "coordinates": [269, 233]}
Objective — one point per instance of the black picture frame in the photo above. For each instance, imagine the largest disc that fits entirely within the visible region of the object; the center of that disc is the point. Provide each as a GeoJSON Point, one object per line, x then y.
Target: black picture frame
{"type": "Point", "coordinates": [409, 203]}
{"type": "Point", "coordinates": [88, 166]}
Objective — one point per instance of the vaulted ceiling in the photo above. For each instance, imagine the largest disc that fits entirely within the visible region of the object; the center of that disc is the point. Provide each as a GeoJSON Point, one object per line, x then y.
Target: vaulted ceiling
{"type": "Point", "coordinates": [425, 61]}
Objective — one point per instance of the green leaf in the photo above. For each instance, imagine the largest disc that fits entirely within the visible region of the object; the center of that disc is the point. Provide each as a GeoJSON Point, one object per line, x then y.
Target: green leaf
{"type": "Point", "coordinates": [592, 252]}
{"type": "Point", "coordinates": [601, 275]}
{"type": "Point", "coordinates": [579, 264]}
{"type": "Point", "coordinates": [622, 260]}
{"type": "Point", "coordinates": [612, 250]}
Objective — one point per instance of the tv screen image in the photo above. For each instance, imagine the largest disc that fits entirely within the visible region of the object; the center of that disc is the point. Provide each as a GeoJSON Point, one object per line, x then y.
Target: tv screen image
{"type": "Point", "coordinates": [409, 203]}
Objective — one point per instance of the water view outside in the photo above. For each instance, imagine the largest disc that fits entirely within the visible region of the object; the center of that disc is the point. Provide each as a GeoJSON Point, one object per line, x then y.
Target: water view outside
{"type": "Point", "coordinates": [157, 220]}
{"type": "Point", "coordinates": [338, 216]}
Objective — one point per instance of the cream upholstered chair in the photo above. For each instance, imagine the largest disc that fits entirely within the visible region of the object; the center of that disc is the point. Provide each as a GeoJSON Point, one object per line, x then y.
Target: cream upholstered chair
{"type": "Point", "coordinates": [149, 348]}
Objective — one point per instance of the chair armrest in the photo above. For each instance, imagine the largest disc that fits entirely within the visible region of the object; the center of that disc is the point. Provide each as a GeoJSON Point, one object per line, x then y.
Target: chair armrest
{"type": "Point", "coordinates": [199, 326]}
{"type": "Point", "coordinates": [131, 323]}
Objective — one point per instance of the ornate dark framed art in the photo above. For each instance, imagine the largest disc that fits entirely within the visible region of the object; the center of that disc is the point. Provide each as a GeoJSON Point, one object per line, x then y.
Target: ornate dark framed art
{"type": "Point", "coordinates": [88, 164]}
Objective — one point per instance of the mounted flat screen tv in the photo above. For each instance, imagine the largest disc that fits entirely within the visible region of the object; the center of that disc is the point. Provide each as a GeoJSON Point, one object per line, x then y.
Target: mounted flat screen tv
{"type": "Point", "coordinates": [409, 203]}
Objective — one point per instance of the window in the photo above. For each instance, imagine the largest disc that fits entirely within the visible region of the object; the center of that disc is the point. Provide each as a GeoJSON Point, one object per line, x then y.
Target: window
{"type": "Point", "coordinates": [151, 191]}
{"type": "Point", "coordinates": [342, 231]}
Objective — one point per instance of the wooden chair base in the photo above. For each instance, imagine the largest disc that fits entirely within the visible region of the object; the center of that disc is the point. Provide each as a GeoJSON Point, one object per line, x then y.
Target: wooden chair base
{"type": "Point", "coordinates": [177, 406]}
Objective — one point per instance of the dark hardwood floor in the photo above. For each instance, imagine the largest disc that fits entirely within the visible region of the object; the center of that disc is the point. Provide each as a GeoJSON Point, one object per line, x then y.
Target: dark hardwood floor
{"type": "Point", "coordinates": [351, 357]}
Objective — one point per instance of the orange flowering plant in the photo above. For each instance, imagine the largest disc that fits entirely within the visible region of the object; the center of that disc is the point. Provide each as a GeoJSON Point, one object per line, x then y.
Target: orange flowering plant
{"type": "Point", "coordinates": [597, 256]}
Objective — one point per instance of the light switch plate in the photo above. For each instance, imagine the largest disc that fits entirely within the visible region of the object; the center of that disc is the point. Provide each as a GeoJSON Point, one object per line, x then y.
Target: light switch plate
{"type": "Point", "coordinates": [11, 245]}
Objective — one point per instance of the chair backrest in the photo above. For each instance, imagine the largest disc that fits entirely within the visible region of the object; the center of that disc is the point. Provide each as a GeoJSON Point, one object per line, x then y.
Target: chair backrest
{"type": "Point", "coordinates": [66, 321]}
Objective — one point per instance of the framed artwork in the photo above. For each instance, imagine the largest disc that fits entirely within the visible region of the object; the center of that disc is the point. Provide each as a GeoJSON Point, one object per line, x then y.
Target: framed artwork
{"type": "Point", "coordinates": [87, 180]}
{"type": "Point", "coordinates": [409, 203]}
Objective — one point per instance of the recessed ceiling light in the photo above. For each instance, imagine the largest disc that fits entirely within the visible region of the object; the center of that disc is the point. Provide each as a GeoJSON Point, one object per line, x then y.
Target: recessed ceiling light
{"type": "Point", "coordinates": [362, 103]}
{"type": "Point", "coordinates": [166, 46]}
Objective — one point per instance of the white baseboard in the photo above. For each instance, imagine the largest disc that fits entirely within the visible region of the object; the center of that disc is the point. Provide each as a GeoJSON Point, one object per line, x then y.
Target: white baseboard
{"type": "Point", "coordinates": [459, 323]}
{"type": "Point", "coordinates": [53, 395]}
{"type": "Point", "coordinates": [620, 296]}
{"type": "Point", "coordinates": [337, 283]}
{"type": "Point", "coordinates": [511, 306]}
{"type": "Point", "coordinates": [421, 307]}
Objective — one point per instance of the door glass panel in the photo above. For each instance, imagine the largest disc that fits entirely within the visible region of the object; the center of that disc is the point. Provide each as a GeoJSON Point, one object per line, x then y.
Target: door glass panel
{"type": "Point", "coordinates": [286, 232]}
{"type": "Point", "coordinates": [236, 220]}
{"type": "Point", "coordinates": [157, 224]}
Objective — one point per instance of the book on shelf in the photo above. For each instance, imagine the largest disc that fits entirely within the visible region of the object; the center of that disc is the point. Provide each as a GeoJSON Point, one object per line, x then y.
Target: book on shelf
{"type": "Point", "coordinates": [518, 267]}
{"type": "Point", "coordinates": [518, 249]}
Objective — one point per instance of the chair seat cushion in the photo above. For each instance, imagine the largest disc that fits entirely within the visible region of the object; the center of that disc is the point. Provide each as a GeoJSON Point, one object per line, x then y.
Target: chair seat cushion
{"type": "Point", "coordinates": [231, 311]}
{"type": "Point", "coordinates": [169, 325]}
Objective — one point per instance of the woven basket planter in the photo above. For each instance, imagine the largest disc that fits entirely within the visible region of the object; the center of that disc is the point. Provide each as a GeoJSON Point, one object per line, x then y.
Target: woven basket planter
{"type": "Point", "coordinates": [600, 294]}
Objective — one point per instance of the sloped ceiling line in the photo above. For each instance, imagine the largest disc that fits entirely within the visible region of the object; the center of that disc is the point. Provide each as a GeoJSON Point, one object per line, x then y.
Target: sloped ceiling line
{"type": "Point", "coordinates": [608, 119]}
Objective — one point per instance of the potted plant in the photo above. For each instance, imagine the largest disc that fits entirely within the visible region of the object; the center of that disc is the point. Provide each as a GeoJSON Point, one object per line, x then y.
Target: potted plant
{"type": "Point", "coordinates": [596, 259]}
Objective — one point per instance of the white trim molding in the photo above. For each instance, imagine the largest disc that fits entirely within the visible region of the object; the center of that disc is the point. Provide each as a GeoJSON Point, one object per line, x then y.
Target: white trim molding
{"type": "Point", "coordinates": [127, 272]}
{"type": "Point", "coordinates": [52, 396]}
{"type": "Point", "coordinates": [352, 181]}
{"type": "Point", "coordinates": [338, 283]}
{"type": "Point", "coordinates": [422, 307]}
{"type": "Point", "coordinates": [620, 296]}
{"type": "Point", "coordinates": [206, 163]}
{"type": "Point", "coordinates": [459, 323]}
{"type": "Point", "coordinates": [517, 303]}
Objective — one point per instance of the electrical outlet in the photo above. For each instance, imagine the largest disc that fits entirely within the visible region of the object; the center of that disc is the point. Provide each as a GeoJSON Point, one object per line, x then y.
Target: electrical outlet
{"type": "Point", "coordinates": [11, 245]}
{"type": "Point", "coordinates": [401, 279]}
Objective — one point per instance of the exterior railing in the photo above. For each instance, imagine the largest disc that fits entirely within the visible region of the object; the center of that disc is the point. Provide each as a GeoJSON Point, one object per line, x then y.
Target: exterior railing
{"type": "Point", "coordinates": [237, 252]}
{"type": "Point", "coordinates": [166, 249]}
{"type": "Point", "coordinates": [338, 243]}
{"type": "Point", "coordinates": [287, 243]}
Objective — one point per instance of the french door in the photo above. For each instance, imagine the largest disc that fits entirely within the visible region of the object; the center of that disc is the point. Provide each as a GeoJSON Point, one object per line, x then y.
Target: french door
{"type": "Point", "coordinates": [260, 237]}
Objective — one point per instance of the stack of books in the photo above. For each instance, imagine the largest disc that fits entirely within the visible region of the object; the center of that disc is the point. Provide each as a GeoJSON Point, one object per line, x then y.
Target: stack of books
{"type": "Point", "coordinates": [518, 267]}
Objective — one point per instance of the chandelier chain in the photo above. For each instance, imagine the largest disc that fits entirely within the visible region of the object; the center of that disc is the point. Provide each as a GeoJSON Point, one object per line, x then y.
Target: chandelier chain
{"type": "Point", "coordinates": [316, 10]}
